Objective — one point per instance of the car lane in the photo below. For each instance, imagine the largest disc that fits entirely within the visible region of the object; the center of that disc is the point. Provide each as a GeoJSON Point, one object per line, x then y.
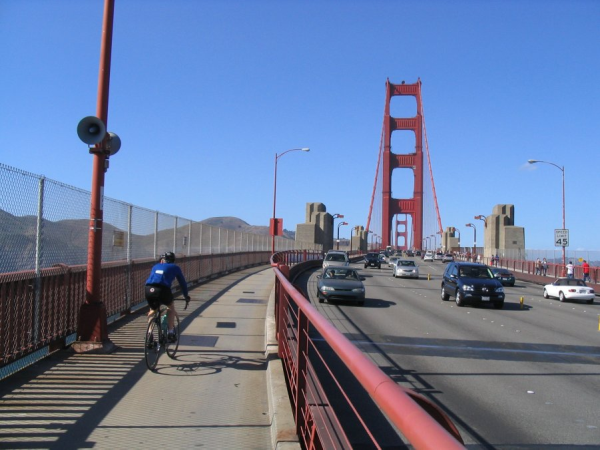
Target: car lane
{"type": "Point", "coordinates": [534, 366]}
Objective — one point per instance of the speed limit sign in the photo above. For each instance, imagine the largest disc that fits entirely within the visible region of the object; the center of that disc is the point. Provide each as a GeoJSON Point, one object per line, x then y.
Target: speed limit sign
{"type": "Point", "coordinates": [561, 238]}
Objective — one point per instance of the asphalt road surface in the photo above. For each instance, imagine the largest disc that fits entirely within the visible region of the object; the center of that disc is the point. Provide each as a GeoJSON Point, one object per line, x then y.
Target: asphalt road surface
{"type": "Point", "coordinates": [525, 376]}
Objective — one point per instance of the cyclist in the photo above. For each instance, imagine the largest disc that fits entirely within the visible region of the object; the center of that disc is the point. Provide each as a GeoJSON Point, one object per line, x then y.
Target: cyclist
{"type": "Point", "coordinates": [158, 289]}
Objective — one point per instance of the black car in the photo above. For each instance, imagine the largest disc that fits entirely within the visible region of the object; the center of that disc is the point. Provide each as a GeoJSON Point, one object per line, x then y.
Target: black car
{"type": "Point", "coordinates": [372, 260]}
{"type": "Point", "coordinates": [472, 283]}
{"type": "Point", "coordinates": [505, 276]}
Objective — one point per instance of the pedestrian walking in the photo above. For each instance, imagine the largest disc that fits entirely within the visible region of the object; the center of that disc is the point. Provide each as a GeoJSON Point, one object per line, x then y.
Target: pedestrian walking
{"type": "Point", "coordinates": [586, 271]}
{"type": "Point", "coordinates": [538, 266]}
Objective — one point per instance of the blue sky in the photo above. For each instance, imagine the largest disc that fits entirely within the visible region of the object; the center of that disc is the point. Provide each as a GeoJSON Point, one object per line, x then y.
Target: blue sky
{"type": "Point", "coordinates": [204, 93]}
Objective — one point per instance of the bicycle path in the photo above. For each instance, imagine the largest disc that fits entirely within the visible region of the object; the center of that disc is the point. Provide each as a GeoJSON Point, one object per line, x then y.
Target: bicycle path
{"type": "Point", "coordinates": [222, 390]}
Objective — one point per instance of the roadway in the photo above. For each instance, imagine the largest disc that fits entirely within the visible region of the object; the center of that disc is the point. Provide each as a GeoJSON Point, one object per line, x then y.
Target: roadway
{"type": "Point", "coordinates": [518, 377]}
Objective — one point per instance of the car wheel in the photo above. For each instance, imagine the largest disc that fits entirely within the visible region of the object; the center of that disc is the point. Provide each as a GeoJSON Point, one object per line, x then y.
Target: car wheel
{"type": "Point", "coordinates": [321, 299]}
{"type": "Point", "coordinates": [445, 296]}
{"type": "Point", "coordinates": [499, 305]}
{"type": "Point", "coordinates": [379, 266]}
{"type": "Point", "coordinates": [460, 301]}
{"type": "Point", "coordinates": [561, 296]}
{"type": "Point", "coordinates": [394, 274]}
{"type": "Point", "coordinates": [361, 303]}
{"type": "Point", "coordinates": [590, 301]}
{"type": "Point", "coordinates": [546, 294]}
{"type": "Point", "coordinates": [365, 266]}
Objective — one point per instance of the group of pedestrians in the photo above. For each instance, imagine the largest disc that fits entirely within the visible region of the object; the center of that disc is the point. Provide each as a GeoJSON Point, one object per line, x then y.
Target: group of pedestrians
{"type": "Point", "coordinates": [541, 267]}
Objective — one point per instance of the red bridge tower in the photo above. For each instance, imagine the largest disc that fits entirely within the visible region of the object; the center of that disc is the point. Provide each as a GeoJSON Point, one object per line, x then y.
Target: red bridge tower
{"type": "Point", "coordinates": [408, 206]}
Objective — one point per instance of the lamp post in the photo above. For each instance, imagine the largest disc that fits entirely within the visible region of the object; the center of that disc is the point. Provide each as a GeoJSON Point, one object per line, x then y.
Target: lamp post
{"type": "Point", "coordinates": [456, 229]}
{"type": "Point", "coordinates": [338, 233]}
{"type": "Point", "coordinates": [472, 225]}
{"type": "Point", "coordinates": [562, 169]}
{"type": "Point", "coordinates": [427, 243]}
{"type": "Point", "coordinates": [484, 219]}
{"type": "Point", "coordinates": [370, 232]}
{"type": "Point", "coordinates": [274, 221]}
{"type": "Point", "coordinates": [434, 242]}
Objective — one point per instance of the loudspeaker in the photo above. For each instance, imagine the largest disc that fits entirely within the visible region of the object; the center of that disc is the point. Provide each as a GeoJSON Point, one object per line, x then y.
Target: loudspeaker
{"type": "Point", "coordinates": [114, 143]}
{"type": "Point", "coordinates": [91, 130]}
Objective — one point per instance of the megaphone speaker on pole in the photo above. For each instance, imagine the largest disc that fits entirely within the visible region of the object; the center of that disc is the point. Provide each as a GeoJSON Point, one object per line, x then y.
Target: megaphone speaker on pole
{"type": "Point", "coordinates": [91, 130]}
{"type": "Point", "coordinates": [114, 143]}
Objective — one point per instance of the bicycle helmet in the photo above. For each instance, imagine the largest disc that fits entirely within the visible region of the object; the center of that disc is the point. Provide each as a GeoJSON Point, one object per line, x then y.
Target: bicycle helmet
{"type": "Point", "coordinates": [169, 257]}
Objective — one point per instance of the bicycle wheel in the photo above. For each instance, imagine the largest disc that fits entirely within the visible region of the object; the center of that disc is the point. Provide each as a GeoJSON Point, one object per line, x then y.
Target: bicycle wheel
{"type": "Point", "coordinates": [152, 346]}
{"type": "Point", "coordinates": [173, 346]}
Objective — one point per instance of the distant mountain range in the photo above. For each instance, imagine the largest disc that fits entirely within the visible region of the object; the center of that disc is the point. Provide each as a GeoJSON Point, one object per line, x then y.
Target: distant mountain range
{"type": "Point", "coordinates": [66, 241]}
{"type": "Point", "coordinates": [233, 223]}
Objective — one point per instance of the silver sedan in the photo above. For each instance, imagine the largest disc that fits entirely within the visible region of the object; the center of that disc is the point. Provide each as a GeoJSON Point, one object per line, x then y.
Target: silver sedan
{"type": "Point", "coordinates": [406, 268]}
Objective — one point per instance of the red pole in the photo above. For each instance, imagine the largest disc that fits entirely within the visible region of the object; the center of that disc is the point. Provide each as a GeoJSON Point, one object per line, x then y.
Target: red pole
{"type": "Point", "coordinates": [92, 333]}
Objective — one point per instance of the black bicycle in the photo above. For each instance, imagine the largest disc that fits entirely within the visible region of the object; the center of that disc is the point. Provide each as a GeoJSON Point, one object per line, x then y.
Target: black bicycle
{"type": "Point", "coordinates": [157, 337]}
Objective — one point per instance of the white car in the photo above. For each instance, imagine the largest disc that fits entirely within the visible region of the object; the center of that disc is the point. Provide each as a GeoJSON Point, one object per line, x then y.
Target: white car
{"type": "Point", "coordinates": [392, 261]}
{"type": "Point", "coordinates": [439, 256]}
{"type": "Point", "coordinates": [569, 289]}
{"type": "Point", "coordinates": [428, 256]}
{"type": "Point", "coordinates": [406, 268]}
{"type": "Point", "coordinates": [336, 258]}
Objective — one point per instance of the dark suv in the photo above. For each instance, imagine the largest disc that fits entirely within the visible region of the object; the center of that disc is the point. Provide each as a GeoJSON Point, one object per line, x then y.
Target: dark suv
{"type": "Point", "coordinates": [472, 283]}
{"type": "Point", "coordinates": [372, 260]}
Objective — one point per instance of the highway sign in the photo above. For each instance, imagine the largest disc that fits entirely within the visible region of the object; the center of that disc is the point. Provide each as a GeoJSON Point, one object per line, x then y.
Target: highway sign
{"type": "Point", "coordinates": [561, 238]}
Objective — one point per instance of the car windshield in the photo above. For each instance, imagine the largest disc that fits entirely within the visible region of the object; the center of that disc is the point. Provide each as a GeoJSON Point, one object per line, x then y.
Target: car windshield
{"type": "Point", "coordinates": [407, 263]}
{"type": "Point", "coordinates": [335, 257]}
{"type": "Point", "coordinates": [475, 272]}
{"type": "Point", "coordinates": [341, 274]}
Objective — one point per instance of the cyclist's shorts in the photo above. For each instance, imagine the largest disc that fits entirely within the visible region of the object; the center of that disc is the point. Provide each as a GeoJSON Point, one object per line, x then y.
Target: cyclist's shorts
{"type": "Point", "coordinates": [157, 294]}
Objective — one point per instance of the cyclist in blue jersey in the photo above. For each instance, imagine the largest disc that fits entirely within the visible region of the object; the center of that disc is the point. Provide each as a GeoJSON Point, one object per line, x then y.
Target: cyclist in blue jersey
{"type": "Point", "coordinates": [158, 289]}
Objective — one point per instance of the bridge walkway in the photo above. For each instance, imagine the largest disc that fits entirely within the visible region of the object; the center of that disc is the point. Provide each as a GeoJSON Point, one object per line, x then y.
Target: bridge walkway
{"type": "Point", "coordinates": [219, 392]}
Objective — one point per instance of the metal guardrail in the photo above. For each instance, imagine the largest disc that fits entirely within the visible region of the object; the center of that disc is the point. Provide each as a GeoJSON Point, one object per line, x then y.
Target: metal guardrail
{"type": "Point", "coordinates": [421, 422]}
{"type": "Point", "coordinates": [39, 312]}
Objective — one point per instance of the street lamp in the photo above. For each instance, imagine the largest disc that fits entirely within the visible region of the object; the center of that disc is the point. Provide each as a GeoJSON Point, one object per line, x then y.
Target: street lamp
{"type": "Point", "coordinates": [434, 242]}
{"type": "Point", "coordinates": [427, 242]}
{"type": "Point", "coordinates": [456, 229]}
{"type": "Point", "coordinates": [274, 222]}
{"type": "Point", "coordinates": [562, 169]}
{"type": "Point", "coordinates": [472, 225]}
{"type": "Point", "coordinates": [338, 233]}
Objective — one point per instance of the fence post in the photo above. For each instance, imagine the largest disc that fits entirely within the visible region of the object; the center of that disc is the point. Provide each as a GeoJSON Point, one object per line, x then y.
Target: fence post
{"type": "Point", "coordinates": [38, 258]}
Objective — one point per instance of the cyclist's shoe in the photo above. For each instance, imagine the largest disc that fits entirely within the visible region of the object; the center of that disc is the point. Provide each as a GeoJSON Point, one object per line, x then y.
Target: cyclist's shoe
{"type": "Point", "coordinates": [150, 341]}
{"type": "Point", "coordinates": [172, 336]}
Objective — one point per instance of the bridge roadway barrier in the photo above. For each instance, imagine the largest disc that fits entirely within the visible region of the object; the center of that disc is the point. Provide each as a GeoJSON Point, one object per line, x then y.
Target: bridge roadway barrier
{"type": "Point", "coordinates": [224, 389]}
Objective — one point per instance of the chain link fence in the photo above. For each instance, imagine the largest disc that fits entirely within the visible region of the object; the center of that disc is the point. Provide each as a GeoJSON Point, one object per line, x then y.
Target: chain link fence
{"type": "Point", "coordinates": [44, 222]}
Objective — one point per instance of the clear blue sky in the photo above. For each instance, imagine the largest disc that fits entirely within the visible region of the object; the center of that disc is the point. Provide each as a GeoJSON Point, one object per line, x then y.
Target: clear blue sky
{"type": "Point", "coordinates": [204, 93]}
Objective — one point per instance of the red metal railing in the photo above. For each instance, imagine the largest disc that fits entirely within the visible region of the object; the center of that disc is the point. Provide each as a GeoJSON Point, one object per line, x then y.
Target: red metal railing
{"type": "Point", "coordinates": [42, 311]}
{"type": "Point", "coordinates": [421, 422]}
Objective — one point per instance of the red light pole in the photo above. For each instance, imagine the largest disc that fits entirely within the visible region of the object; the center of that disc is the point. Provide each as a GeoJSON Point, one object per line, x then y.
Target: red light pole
{"type": "Point", "coordinates": [276, 224]}
{"type": "Point", "coordinates": [92, 332]}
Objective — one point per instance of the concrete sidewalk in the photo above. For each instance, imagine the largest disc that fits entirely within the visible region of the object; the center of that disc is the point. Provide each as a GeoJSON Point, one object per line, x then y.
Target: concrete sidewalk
{"type": "Point", "coordinates": [225, 389]}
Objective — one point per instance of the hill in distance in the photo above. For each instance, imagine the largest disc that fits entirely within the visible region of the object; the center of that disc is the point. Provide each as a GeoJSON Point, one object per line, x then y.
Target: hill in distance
{"type": "Point", "coordinates": [236, 224]}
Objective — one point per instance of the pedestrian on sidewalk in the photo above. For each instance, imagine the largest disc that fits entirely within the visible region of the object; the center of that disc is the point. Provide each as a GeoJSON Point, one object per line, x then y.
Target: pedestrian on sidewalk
{"type": "Point", "coordinates": [158, 289]}
{"type": "Point", "coordinates": [544, 266]}
{"type": "Point", "coordinates": [538, 266]}
{"type": "Point", "coordinates": [586, 271]}
{"type": "Point", "coordinates": [570, 270]}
